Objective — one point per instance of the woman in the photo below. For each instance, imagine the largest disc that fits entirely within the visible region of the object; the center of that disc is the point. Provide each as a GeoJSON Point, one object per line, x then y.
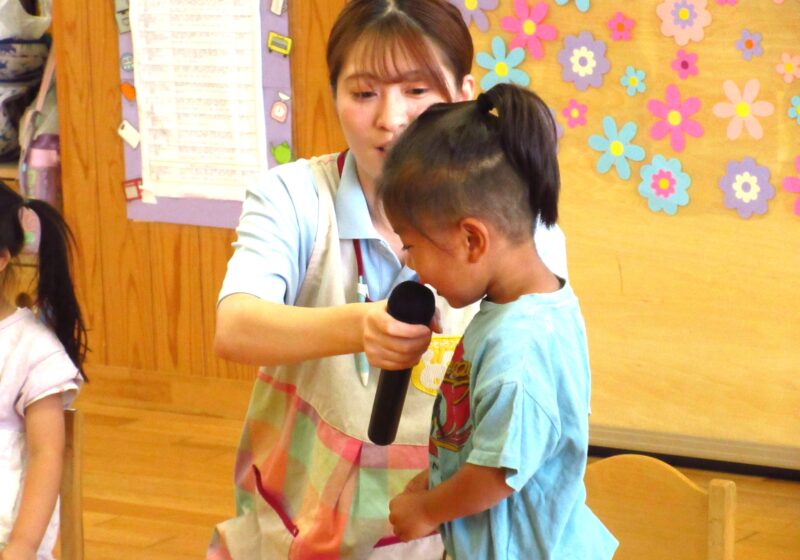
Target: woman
{"type": "Point", "coordinates": [313, 242]}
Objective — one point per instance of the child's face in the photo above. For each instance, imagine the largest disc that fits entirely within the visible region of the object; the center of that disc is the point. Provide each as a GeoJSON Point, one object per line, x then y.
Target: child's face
{"type": "Point", "coordinates": [442, 260]}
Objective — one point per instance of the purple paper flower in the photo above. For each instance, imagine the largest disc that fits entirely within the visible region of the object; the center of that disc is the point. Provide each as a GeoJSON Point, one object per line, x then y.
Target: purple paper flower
{"type": "Point", "coordinates": [746, 186]}
{"type": "Point", "coordinates": [583, 60]}
{"type": "Point", "coordinates": [472, 10]}
{"type": "Point", "coordinates": [750, 44]}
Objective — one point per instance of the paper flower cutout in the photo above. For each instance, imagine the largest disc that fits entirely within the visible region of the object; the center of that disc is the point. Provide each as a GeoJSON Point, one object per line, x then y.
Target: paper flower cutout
{"type": "Point", "coordinates": [575, 113]}
{"type": "Point", "coordinates": [727, 2]}
{"type": "Point", "coordinates": [685, 64]}
{"type": "Point", "coordinates": [621, 27]}
{"type": "Point", "coordinates": [750, 44]}
{"type": "Point", "coordinates": [675, 118]}
{"type": "Point", "coordinates": [789, 67]}
{"type": "Point", "coordinates": [583, 60]}
{"type": "Point", "coordinates": [633, 80]}
{"type": "Point", "coordinates": [616, 147]}
{"type": "Point", "coordinates": [792, 184]}
{"type": "Point", "coordinates": [503, 68]}
{"type": "Point", "coordinates": [528, 26]}
{"type": "Point", "coordinates": [746, 186]}
{"type": "Point", "coordinates": [685, 20]}
{"type": "Point", "coordinates": [472, 11]}
{"type": "Point", "coordinates": [794, 110]}
{"type": "Point", "coordinates": [664, 185]}
{"type": "Point", "coordinates": [582, 5]}
{"type": "Point", "coordinates": [743, 109]}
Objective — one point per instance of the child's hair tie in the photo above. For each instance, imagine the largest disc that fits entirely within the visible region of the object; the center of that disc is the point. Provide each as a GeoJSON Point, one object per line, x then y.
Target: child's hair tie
{"type": "Point", "coordinates": [484, 104]}
{"type": "Point", "coordinates": [32, 229]}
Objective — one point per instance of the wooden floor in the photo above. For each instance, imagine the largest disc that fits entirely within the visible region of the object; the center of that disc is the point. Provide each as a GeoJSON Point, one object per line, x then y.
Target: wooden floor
{"type": "Point", "coordinates": [155, 483]}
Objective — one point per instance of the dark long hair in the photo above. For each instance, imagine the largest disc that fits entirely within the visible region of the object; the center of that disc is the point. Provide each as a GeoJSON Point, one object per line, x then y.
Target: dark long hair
{"type": "Point", "coordinates": [494, 157]}
{"type": "Point", "coordinates": [55, 290]}
{"type": "Point", "coordinates": [385, 28]}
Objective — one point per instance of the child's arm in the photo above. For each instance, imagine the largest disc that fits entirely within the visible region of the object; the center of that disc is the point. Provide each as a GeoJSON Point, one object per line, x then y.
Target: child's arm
{"type": "Point", "coordinates": [44, 436]}
{"type": "Point", "coordinates": [471, 490]}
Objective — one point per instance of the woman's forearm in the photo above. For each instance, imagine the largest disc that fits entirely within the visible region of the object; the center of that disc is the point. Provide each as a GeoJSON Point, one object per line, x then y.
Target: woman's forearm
{"type": "Point", "coordinates": [258, 332]}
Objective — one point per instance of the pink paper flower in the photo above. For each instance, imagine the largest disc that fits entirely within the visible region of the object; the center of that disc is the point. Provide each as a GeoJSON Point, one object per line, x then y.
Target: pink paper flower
{"type": "Point", "coordinates": [529, 27]}
{"type": "Point", "coordinates": [674, 115]}
{"type": "Point", "coordinates": [743, 108]}
{"type": "Point", "coordinates": [728, 2]}
{"type": "Point", "coordinates": [621, 27]}
{"type": "Point", "coordinates": [789, 67]}
{"type": "Point", "coordinates": [792, 184]}
{"type": "Point", "coordinates": [685, 64]}
{"type": "Point", "coordinates": [684, 20]}
{"type": "Point", "coordinates": [575, 113]}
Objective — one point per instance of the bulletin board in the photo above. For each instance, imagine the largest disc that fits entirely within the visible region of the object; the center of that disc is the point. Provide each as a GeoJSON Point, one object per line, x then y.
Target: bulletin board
{"type": "Point", "coordinates": [679, 146]}
{"type": "Point", "coordinates": [276, 82]}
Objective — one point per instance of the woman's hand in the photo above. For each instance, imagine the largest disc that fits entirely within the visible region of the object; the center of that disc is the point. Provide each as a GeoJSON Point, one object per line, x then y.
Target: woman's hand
{"type": "Point", "coordinates": [407, 514]}
{"type": "Point", "coordinates": [391, 344]}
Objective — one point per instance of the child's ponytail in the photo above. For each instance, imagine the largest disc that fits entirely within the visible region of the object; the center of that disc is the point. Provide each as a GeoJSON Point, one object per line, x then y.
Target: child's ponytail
{"type": "Point", "coordinates": [527, 135]}
{"type": "Point", "coordinates": [55, 291]}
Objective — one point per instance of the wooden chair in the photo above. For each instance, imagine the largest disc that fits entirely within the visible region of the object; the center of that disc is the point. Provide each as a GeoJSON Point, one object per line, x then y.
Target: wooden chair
{"type": "Point", "coordinates": [656, 513]}
{"type": "Point", "coordinates": [71, 510]}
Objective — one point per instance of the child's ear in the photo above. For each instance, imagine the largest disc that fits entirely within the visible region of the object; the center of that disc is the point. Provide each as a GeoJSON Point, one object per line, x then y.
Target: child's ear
{"type": "Point", "coordinates": [5, 258]}
{"type": "Point", "coordinates": [476, 238]}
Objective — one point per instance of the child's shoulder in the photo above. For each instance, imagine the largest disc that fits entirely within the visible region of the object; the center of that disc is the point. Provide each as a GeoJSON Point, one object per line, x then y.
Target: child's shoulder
{"type": "Point", "coordinates": [23, 332]}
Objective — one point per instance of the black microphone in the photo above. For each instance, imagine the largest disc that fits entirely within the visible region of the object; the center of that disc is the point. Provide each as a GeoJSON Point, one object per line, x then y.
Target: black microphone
{"type": "Point", "coordinates": [413, 303]}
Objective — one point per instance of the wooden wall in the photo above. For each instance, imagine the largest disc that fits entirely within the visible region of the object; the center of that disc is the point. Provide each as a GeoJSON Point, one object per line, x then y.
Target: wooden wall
{"type": "Point", "coordinates": [695, 341]}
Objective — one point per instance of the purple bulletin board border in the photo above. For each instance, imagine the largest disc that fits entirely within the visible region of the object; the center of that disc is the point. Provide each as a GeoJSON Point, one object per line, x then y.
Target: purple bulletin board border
{"type": "Point", "coordinates": [276, 77]}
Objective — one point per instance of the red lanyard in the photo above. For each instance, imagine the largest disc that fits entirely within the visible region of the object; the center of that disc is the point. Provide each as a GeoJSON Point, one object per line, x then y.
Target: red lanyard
{"type": "Point", "coordinates": [362, 277]}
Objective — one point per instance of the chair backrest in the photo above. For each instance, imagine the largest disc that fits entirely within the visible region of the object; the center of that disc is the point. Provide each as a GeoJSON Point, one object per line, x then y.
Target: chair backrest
{"type": "Point", "coordinates": [655, 512]}
{"type": "Point", "coordinates": [71, 510]}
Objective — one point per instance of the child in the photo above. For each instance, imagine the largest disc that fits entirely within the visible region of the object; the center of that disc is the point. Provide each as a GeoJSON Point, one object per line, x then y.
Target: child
{"type": "Point", "coordinates": [463, 188]}
{"type": "Point", "coordinates": [40, 374]}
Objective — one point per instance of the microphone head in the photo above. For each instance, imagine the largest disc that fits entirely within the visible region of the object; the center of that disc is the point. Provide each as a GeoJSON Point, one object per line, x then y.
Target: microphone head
{"type": "Point", "coordinates": [412, 302]}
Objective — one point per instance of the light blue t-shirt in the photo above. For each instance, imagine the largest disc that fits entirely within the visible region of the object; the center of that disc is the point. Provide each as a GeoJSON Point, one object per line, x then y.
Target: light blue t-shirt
{"type": "Point", "coordinates": [516, 397]}
{"type": "Point", "coordinates": [278, 226]}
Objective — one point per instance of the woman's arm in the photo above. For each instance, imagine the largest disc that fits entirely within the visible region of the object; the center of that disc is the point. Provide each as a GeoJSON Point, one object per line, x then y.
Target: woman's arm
{"type": "Point", "coordinates": [44, 436]}
{"type": "Point", "coordinates": [471, 490]}
{"type": "Point", "coordinates": [259, 332]}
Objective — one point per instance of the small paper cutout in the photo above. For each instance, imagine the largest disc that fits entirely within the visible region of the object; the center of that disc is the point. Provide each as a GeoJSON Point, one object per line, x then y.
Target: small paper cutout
{"type": "Point", "coordinates": [792, 184]}
{"type": "Point", "coordinates": [664, 185]}
{"type": "Point", "coordinates": [530, 31]}
{"type": "Point", "coordinates": [503, 69]}
{"type": "Point", "coordinates": [575, 113]}
{"type": "Point", "coordinates": [633, 81]}
{"type": "Point", "coordinates": [583, 61]}
{"type": "Point", "coordinates": [794, 109]}
{"type": "Point", "coordinates": [685, 64]}
{"type": "Point", "coordinates": [621, 27]}
{"type": "Point", "coordinates": [749, 44]}
{"type": "Point", "coordinates": [743, 109]}
{"type": "Point", "coordinates": [746, 187]}
{"type": "Point", "coordinates": [582, 5]}
{"type": "Point", "coordinates": [675, 118]}
{"type": "Point", "coordinates": [617, 147]}
{"type": "Point", "coordinates": [684, 20]}
{"type": "Point", "coordinates": [789, 67]}
{"type": "Point", "coordinates": [472, 11]}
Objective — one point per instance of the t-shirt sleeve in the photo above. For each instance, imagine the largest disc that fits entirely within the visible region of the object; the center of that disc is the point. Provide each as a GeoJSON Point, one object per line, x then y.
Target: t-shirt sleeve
{"type": "Point", "coordinates": [275, 235]}
{"type": "Point", "coordinates": [512, 432]}
{"type": "Point", "coordinates": [52, 374]}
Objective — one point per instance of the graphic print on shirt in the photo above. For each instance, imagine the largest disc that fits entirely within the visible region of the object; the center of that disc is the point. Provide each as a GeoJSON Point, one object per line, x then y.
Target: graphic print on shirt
{"type": "Point", "coordinates": [450, 427]}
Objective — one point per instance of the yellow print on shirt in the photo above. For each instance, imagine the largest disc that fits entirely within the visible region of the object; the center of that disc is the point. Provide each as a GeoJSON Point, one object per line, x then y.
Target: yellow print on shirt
{"type": "Point", "coordinates": [427, 375]}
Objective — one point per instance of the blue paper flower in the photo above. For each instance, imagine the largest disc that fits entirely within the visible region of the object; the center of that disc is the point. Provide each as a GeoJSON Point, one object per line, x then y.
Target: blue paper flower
{"type": "Point", "coordinates": [750, 44]}
{"type": "Point", "coordinates": [664, 185]}
{"type": "Point", "coordinates": [794, 110]}
{"type": "Point", "coordinates": [616, 147]}
{"type": "Point", "coordinates": [582, 5]}
{"type": "Point", "coordinates": [503, 69]}
{"type": "Point", "coordinates": [633, 80]}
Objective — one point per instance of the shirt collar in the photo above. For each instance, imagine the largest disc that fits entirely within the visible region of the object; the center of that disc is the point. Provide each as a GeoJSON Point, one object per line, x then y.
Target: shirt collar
{"type": "Point", "coordinates": [352, 213]}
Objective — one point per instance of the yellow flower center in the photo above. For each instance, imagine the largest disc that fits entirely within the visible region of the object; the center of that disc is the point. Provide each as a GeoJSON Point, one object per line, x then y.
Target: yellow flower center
{"type": "Point", "coordinates": [663, 184]}
{"type": "Point", "coordinates": [471, 4]}
{"type": "Point", "coordinates": [617, 148]}
{"type": "Point", "coordinates": [529, 27]}
{"type": "Point", "coordinates": [743, 109]}
{"type": "Point", "coordinates": [574, 113]}
{"type": "Point", "coordinates": [788, 68]}
{"type": "Point", "coordinates": [501, 69]}
{"type": "Point", "coordinates": [633, 80]}
{"type": "Point", "coordinates": [683, 13]}
{"type": "Point", "coordinates": [674, 118]}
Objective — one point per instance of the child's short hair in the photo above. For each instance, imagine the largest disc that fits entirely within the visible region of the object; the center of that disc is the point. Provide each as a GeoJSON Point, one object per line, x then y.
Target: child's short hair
{"type": "Point", "coordinates": [493, 158]}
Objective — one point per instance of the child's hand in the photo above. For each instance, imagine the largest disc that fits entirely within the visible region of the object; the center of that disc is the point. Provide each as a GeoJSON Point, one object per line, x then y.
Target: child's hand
{"type": "Point", "coordinates": [408, 517]}
{"type": "Point", "coordinates": [15, 551]}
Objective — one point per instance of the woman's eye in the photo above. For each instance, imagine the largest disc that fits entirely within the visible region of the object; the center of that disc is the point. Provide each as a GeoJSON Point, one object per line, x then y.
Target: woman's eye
{"type": "Point", "coordinates": [363, 94]}
{"type": "Point", "coordinates": [419, 90]}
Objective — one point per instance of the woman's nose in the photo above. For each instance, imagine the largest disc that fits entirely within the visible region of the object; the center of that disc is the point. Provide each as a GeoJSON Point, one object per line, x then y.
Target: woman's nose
{"type": "Point", "coordinates": [392, 113]}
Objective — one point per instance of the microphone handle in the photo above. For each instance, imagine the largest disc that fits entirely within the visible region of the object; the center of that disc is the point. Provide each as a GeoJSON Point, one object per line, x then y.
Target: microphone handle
{"type": "Point", "coordinates": [391, 393]}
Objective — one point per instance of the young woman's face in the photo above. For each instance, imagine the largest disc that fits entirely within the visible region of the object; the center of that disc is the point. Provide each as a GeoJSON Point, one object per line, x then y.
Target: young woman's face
{"type": "Point", "coordinates": [373, 112]}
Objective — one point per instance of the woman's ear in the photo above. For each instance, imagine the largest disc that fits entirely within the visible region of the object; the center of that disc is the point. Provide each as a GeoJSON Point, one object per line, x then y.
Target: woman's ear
{"type": "Point", "coordinates": [475, 236]}
{"type": "Point", "coordinates": [467, 89]}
